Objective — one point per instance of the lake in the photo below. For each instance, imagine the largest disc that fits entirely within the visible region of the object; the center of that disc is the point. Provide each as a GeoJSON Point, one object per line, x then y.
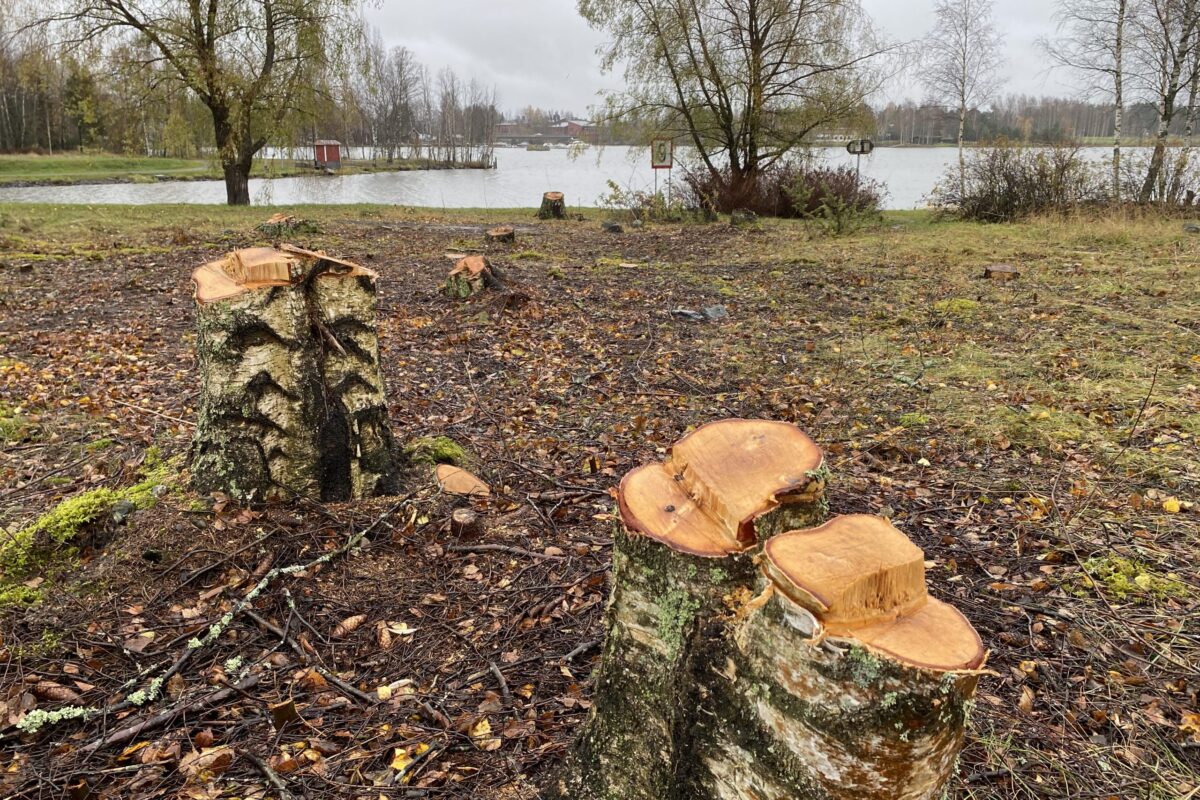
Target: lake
{"type": "Point", "coordinates": [521, 176]}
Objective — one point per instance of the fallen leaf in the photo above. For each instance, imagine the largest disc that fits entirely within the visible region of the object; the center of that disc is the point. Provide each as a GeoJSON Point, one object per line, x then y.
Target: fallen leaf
{"type": "Point", "coordinates": [481, 735]}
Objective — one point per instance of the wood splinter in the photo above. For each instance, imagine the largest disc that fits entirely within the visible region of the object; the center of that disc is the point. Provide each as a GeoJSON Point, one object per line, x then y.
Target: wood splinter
{"type": "Point", "coordinates": [744, 659]}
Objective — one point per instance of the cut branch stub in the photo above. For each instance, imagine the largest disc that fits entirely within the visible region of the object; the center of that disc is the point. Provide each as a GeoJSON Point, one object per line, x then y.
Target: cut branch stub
{"type": "Point", "coordinates": [470, 276]}
{"type": "Point", "coordinates": [291, 397]}
{"type": "Point", "coordinates": [860, 578]}
{"type": "Point", "coordinates": [724, 485]}
{"type": "Point", "coordinates": [807, 668]}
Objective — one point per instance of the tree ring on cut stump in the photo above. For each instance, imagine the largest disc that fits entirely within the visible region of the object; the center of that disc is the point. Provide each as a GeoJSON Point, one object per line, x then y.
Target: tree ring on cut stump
{"type": "Point", "coordinates": [740, 661]}
{"type": "Point", "coordinates": [863, 579]}
{"type": "Point", "coordinates": [721, 486]}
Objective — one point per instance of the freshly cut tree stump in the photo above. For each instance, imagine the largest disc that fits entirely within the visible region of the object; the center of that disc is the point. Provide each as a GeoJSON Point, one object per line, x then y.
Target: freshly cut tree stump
{"type": "Point", "coordinates": [553, 206]}
{"type": "Point", "coordinates": [292, 400]}
{"type": "Point", "coordinates": [504, 234]}
{"type": "Point", "coordinates": [470, 276]}
{"type": "Point", "coordinates": [826, 672]}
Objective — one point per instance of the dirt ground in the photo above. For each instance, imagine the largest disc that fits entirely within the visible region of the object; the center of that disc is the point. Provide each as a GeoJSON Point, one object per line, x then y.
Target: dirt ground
{"type": "Point", "coordinates": [1038, 438]}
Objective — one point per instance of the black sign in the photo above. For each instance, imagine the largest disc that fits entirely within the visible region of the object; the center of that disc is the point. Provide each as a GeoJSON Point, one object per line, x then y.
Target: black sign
{"type": "Point", "coordinates": [860, 147]}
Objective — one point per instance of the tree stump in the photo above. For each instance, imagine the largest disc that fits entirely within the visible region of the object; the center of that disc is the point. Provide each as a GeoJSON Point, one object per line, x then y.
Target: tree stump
{"type": "Point", "coordinates": [470, 276]}
{"type": "Point", "coordinates": [291, 397]}
{"type": "Point", "coordinates": [1001, 272]}
{"type": "Point", "coordinates": [553, 206]}
{"type": "Point", "coordinates": [504, 234]}
{"type": "Point", "coordinates": [826, 672]}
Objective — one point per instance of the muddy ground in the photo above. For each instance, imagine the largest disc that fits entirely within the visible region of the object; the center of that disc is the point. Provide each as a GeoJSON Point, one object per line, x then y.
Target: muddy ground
{"type": "Point", "coordinates": [1037, 438]}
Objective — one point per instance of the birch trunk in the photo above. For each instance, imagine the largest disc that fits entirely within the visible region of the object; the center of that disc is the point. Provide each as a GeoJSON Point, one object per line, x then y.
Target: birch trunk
{"type": "Point", "coordinates": [292, 399]}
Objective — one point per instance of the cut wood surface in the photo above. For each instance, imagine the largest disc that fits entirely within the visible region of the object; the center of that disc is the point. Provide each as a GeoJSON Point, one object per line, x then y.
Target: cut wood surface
{"type": "Point", "coordinates": [744, 662]}
{"type": "Point", "coordinates": [470, 276]}
{"type": "Point", "coordinates": [1001, 272]}
{"type": "Point", "coordinates": [503, 234]}
{"type": "Point", "coordinates": [456, 480]}
{"type": "Point", "coordinates": [718, 481]}
{"type": "Point", "coordinates": [554, 206]}
{"type": "Point", "coordinates": [862, 578]}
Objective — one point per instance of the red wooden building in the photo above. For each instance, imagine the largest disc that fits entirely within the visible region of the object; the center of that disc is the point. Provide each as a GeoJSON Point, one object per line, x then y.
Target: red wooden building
{"type": "Point", "coordinates": [328, 153]}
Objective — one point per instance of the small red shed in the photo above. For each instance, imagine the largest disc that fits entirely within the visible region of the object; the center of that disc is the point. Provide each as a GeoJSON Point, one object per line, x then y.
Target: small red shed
{"type": "Point", "coordinates": [328, 153]}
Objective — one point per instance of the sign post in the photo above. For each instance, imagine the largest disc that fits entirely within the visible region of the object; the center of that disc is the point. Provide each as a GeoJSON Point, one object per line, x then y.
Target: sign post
{"type": "Point", "coordinates": [662, 156]}
{"type": "Point", "coordinates": [859, 148]}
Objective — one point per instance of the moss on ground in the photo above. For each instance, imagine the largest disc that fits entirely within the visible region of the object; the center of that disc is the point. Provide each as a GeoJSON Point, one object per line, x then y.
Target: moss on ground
{"type": "Point", "coordinates": [44, 548]}
{"type": "Point", "coordinates": [1128, 580]}
{"type": "Point", "coordinates": [12, 424]}
{"type": "Point", "coordinates": [436, 450]}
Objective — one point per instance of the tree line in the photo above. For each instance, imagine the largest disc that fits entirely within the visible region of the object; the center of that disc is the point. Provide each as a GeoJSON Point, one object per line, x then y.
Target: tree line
{"type": "Point", "coordinates": [159, 79]}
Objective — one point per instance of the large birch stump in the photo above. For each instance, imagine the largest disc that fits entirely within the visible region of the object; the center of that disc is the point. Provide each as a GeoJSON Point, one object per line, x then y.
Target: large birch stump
{"type": "Point", "coordinates": [805, 669]}
{"type": "Point", "coordinates": [292, 399]}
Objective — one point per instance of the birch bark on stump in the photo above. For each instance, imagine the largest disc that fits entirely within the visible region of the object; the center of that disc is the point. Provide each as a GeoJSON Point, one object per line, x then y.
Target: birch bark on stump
{"type": "Point", "coordinates": [554, 206]}
{"type": "Point", "coordinates": [717, 682]}
{"type": "Point", "coordinates": [292, 399]}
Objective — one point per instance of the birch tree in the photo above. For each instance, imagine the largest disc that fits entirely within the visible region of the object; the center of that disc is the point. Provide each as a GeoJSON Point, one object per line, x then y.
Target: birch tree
{"type": "Point", "coordinates": [1165, 67]}
{"type": "Point", "coordinates": [1092, 43]}
{"type": "Point", "coordinates": [962, 61]}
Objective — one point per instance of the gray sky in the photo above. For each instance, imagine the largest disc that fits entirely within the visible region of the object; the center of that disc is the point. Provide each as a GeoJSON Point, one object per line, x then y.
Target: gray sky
{"type": "Point", "coordinates": [540, 52]}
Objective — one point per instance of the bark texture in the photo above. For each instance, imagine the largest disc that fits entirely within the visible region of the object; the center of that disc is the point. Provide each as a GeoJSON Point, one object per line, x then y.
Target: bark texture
{"type": "Point", "coordinates": [715, 685]}
{"type": "Point", "coordinates": [292, 399]}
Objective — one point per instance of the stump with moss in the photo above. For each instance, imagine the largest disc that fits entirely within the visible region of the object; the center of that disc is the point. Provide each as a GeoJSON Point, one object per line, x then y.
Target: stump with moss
{"type": "Point", "coordinates": [470, 276]}
{"type": "Point", "coordinates": [805, 668]}
{"type": "Point", "coordinates": [292, 398]}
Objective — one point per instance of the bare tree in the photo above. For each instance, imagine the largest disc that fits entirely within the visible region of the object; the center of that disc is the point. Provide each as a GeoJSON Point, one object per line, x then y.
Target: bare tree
{"type": "Point", "coordinates": [962, 61]}
{"type": "Point", "coordinates": [1092, 43]}
{"type": "Point", "coordinates": [746, 81]}
{"type": "Point", "coordinates": [1165, 67]}
{"type": "Point", "coordinates": [249, 61]}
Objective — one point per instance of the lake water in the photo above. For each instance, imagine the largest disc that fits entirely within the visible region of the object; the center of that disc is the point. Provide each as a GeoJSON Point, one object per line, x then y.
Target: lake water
{"type": "Point", "coordinates": [521, 176]}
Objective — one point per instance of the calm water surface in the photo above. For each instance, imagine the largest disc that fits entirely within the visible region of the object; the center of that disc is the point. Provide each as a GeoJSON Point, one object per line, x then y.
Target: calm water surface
{"type": "Point", "coordinates": [519, 181]}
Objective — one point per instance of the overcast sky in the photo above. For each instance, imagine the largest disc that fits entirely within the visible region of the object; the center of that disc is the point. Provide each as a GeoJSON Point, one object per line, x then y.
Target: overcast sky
{"type": "Point", "coordinates": [540, 52]}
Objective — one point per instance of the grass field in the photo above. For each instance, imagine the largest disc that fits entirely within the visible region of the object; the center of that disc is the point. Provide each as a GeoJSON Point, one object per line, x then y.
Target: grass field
{"type": "Point", "coordinates": [1038, 438]}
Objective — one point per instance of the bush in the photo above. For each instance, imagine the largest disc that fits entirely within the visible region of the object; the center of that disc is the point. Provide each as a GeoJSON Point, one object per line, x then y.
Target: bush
{"type": "Point", "coordinates": [1008, 182]}
{"type": "Point", "coordinates": [795, 191]}
{"type": "Point", "coordinates": [645, 206]}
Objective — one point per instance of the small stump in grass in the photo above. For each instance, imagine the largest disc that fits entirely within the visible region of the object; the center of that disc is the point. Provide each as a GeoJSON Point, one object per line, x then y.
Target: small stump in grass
{"type": "Point", "coordinates": [554, 206]}
{"type": "Point", "coordinates": [746, 659]}
{"type": "Point", "coordinates": [291, 396]}
{"type": "Point", "coordinates": [504, 234]}
{"type": "Point", "coordinates": [1001, 272]}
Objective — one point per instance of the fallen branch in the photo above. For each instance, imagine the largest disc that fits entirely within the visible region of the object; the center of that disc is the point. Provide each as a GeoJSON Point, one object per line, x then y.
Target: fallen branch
{"type": "Point", "coordinates": [501, 548]}
{"type": "Point", "coordinates": [125, 734]}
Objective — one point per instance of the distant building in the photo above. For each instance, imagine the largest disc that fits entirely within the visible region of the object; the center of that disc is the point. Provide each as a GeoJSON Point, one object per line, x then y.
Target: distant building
{"type": "Point", "coordinates": [560, 132]}
{"type": "Point", "coordinates": [327, 153]}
